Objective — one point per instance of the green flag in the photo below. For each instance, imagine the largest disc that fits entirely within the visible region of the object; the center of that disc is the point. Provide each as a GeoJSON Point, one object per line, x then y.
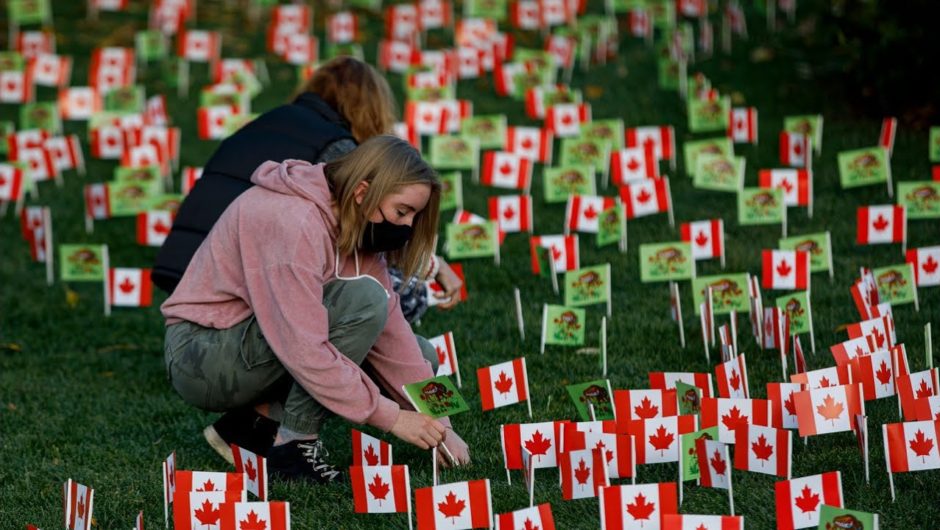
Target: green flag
{"type": "Point", "coordinates": [716, 146]}
{"type": "Point", "coordinates": [169, 202]}
{"type": "Point", "coordinates": [6, 128]}
{"type": "Point", "coordinates": [343, 49]}
{"type": "Point", "coordinates": [596, 393]}
{"type": "Point", "coordinates": [669, 72]}
{"type": "Point", "coordinates": [489, 131]}
{"type": "Point", "coordinates": [234, 122]}
{"type": "Point", "coordinates": [493, 9]}
{"type": "Point", "coordinates": [610, 131]}
{"type": "Point", "coordinates": [451, 190]}
{"type": "Point", "coordinates": [128, 99]}
{"type": "Point", "coordinates": [719, 172]}
{"type": "Point", "coordinates": [933, 147]}
{"type": "Point", "coordinates": [148, 176]}
{"type": "Point", "coordinates": [809, 124]}
{"type": "Point", "coordinates": [688, 398]}
{"type": "Point", "coordinates": [82, 263]}
{"type": "Point", "coordinates": [587, 285]}
{"type": "Point", "coordinates": [583, 151]}
{"type": "Point", "coordinates": [896, 284]}
{"type": "Point", "coordinates": [708, 116]}
{"type": "Point", "coordinates": [472, 240]}
{"type": "Point", "coordinates": [437, 397]}
{"type": "Point", "coordinates": [454, 152]}
{"type": "Point", "coordinates": [11, 61]}
{"type": "Point", "coordinates": [565, 180]}
{"type": "Point", "coordinates": [150, 45]}
{"type": "Point", "coordinates": [663, 14]}
{"type": "Point", "coordinates": [660, 262]}
{"type": "Point", "coordinates": [554, 95]}
{"type": "Point", "coordinates": [611, 226]}
{"type": "Point", "coordinates": [25, 12]}
{"type": "Point", "coordinates": [920, 198]}
{"type": "Point", "coordinates": [816, 245]}
{"type": "Point", "coordinates": [563, 325]}
{"type": "Point", "coordinates": [861, 167]}
{"type": "Point", "coordinates": [761, 206]}
{"type": "Point", "coordinates": [729, 292]}
{"type": "Point", "coordinates": [835, 518]}
{"type": "Point", "coordinates": [43, 116]}
{"type": "Point", "coordinates": [426, 93]}
{"type": "Point", "coordinates": [797, 307]}
{"type": "Point", "coordinates": [690, 469]}
{"type": "Point", "coordinates": [130, 198]}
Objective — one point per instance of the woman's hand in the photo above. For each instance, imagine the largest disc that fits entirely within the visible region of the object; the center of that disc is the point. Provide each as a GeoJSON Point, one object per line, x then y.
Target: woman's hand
{"type": "Point", "coordinates": [418, 429]}
{"type": "Point", "coordinates": [457, 447]}
{"type": "Point", "coordinates": [451, 284]}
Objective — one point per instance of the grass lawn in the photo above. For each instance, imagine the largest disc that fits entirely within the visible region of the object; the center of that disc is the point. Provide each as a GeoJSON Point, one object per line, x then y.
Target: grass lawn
{"type": "Point", "coordinates": [85, 397]}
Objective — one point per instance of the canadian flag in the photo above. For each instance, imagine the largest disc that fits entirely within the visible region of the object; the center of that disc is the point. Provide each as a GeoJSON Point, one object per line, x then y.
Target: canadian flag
{"type": "Point", "coordinates": [188, 178]}
{"type": "Point", "coordinates": [667, 381]}
{"type": "Point", "coordinates": [78, 505]}
{"type": "Point", "coordinates": [713, 463]}
{"type": "Point", "coordinates": [618, 448]}
{"type": "Point", "coordinates": [562, 49]}
{"type": "Point", "coordinates": [228, 70]}
{"type": "Point", "coordinates": [583, 212]}
{"type": "Point", "coordinates": [437, 117]}
{"type": "Point", "coordinates": [39, 162]}
{"type": "Point", "coordinates": [370, 451]}
{"type": "Point", "coordinates": [928, 408]}
{"type": "Point", "coordinates": [168, 17]}
{"type": "Point", "coordinates": [25, 140]}
{"type": "Point", "coordinates": [797, 184]}
{"type": "Point", "coordinates": [66, 153]}
{"type": "Point", "coordinates": [166, 141]}
{"type": "Point", "coordinates": [742, 125]}
{"type": "Point", "coordinates": [48, 69]}
{"type": "Point", "coordinates": [532, 143]}
{"type": "Point", "coordinates": [564, 250]}
{"type": "Point", "coordinates": [130, 287]}
{"type": "Point", "coordinates": [153, 227]}
{"type": "Point", "coordinates": [702, 522]}
{"type": "Point", "coordinates": [78, 103]}
{"type": "Point", "coordinates": [111, 57]}
{"type": "Point", "coordinates": [763, 449]}
{"type": "Point", "coordinates": [524, 14]}
{"type": "Point", "coordinates": [441, 63]}
{"type": "Point", "coordinates": [463, 217]}
{"type": "Point", "coordinates": [799, 500]}
{"type": "Point", "coordinates": [912, 445]}
{"type": "Point", "coordinates": [881, 224]}
{"type": "Point", "coordinates": [554, 12]}
{"type": "Point", "coordinates": [583, 473]}
{"type": "Point", "coordinates": [199, 46]}
{"type": "Point", "coordinates": [342, 27]}
{"type": "Point", "coordinates": [469, 62]}
{"type": "Point", "coordinates": [513, 213]}
{"type": "Point", "coordinates": [427, 79]}
{"type": "Point", "coordinates": [845, 351]}
{"type": "Point", "coordinates": [503, 384]}
{"type": "Point", "coordinates": [294, 15]}
{"type": "Point", "coordinates": [33, 43]}
{"type": "Point", "coordinates": [918, 385]}
{"type": "Point", "coordinates": [889, 128]}
{"type": "Point", "coordinates": [266, 515]}
{"type": "Point", "coordinates": [639, 22]}
{"type": "Point", "coordinates": [632, 163]}
{"type": "Point", "coordinates": [535, 101]}
{"type": "Point", "coordinates": [785, 269]}
{"type": "Point", "coordinates": [646, 197]}
{"type": "Point", "coordinates": [97, 201]}
{"type": "Point", "coordinates": [211, 121]}
{"type": "Point", "coordinates": [827, 410]}
{"type": "Point", "coordinates": [643, 404]}
{"type": "Point", "coordinates": [637, 506]}
{"type": "Point", "coordinates": [730, 413]}
{"type": "Point", "coordinates": [446, 354]}
{"type": "Point", "coordinates": [11, 183]}
{"type": "Point", "coordinates": [15, 86]}
{"type": "Point", "coordinates": [31, 219]}
{"type": "Point", "coordinates": [660, 138]}
{"type": "Point", "coordinates": [107, 78]}
{"type": "Point", "coordinates": [111, 5]}
{"type": "Point", "coordinates": [540, 439]}
{"type": "Point", "coordinates": [196, 510]}
{"type": "Point", "coordinates": [504, 75]}
{"type": "Point", "coordinates": [401, 22]}
{"type": "Point", "coordinates": [539, 516]}
{"type": "Point", "coordinates": [794, 149]}
{"type": "Point", "coordinates": [823, 377]}
{"type": "Point", "coordinates": [732, 378]}
{"type": "Point", "coordinates": [880, 329]}
{"type": "Point", "coordinates": [502, 169]}
{"type": "Point", "coordinates": [255, 469]}
{"type": "Point", "coordinates": [300, 49]}
{"type": "Point", "coordinates": [380, 489]}
{"type": "Point", "coordinates": [107, 142]}
{"type": "Point", "coordinates": [657, 439]}
{"type": "Point", "coordinates": [434, 14]}
{"type": "Point", "coordinates": [395, 55]}
{"type": "Point", "coordinates": [876, 373]}
{"type": "Point", "coordinates": [565, 120]}
{"type": "Point", "coordinates": [926, 262]}
{"type": "Point", "coordinates": [783, 408]}
{"type": "Point", "coordinates": [455, 505]}
{"type": "Point", "coordinates": [407, 133]}
{"type": "Point", "coordinates": [707, 238]}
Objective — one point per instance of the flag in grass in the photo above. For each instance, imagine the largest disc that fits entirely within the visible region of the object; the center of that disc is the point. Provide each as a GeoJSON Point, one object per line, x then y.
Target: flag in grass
{"type": "Point", "coordinates": [834, 517]}
{"type": "Point", "coordinates": [687, 457]}
{"type": "Point", "coordinates": [458, 505]}
{"type": "Point", "coordinates": [666, 261]}
{"type": "Point", "coordinates": [810, 125]}
{"type": "Point", "coordinates": [637, 505]}
{"type": "Point", "coordinates": [563, 181]}
{"type": "Point", "coordinates": [610, 131]}
{"type": "Point", "coordinates": [709, 116]}
{"type": "Point", "coordinates": [896, 284]}
{"type": "Point", "coordinates": [828, 410]}
{"type": "Point", "coordinates": [689, 398]}
{"type": "Point", "coordinates": [488, 130]}
{"type": "Point", "coordinates": [730, 413]}
{"type": "Point", "coordinates": [129, 287]}
{"type": "Point", "coordinates": [79, 500]}
{"type": "Point", "coordinates": [380, 489]}
{"type": "Point", "coordinates": [535, 517]}
{"type": "Point", "coordinates": [798, 500]}
{"type": "Point", "coordinates": [587, 286]}
{"type": "Point", "coordinates": [862, 167]}
{"type": "Point", "coordinates": [818, 246]}
{"type": "Point", "coordinates": [596, 394]}
{"type": "Point", "coordinates": [640, 404]}
{"type": "Point", "coordinates": [729, 292]}
{"type": "Point", "coordinates": [926, 262]}
{"type": "Point", "coordinates": [472, 240]}
{"type": "Point", "coordinates": [583, 151]}
{"type": "Point", "coordinates": [41, 115]}
{"type": "Point", "coordinates": [933, 145]}
{"type": "Point", "coordinates": [503, 384]}
{"type": "Point", "coordinates": [437, 397]}
{"type": "Point", "coordinates": [759, 206]}
{"type": "Point", "coordinates": [882, 223]}
{"type": "Point", "coordinates": [451, 190]}
{"type": "Point", "coordinates": [130, 197]}
{"type": "Point", "coordinates": [797, 307]}
{"type": "Point", "coordinates": [82, 263]}
{"type": "Point", "coordinates": [150, 45]}
{"type": "Point", "coordinates": [763, 449]}
{"type": "Point", "coordinates": [26, 12]}
{"type": "Point", "coordinates": [611, 226]}
{"type": "Point", "coordinates": [583, 473]}
{"type": "Point", "coordinates": [714, 146]}
{"type": "Point", "coordinates": [921, 199]}
{"type": "Point", "coordinates": [719, 172]}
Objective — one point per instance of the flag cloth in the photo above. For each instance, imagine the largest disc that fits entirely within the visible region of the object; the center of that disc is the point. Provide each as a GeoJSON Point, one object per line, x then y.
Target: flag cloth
{"type": "Point", "coordinates": [763, 449]}
{"type": "Point", "coordinates": [731, 377]}
{"type": "Point", "coordinates": [130, 287]}
{"type": "Point", "coordinates": [255, 469]}
{"type": "Point", "coordinates": [719, 172]}
{"type": "Point", "coordinates": [728, 414]}
{"type": "Point", "coordinates": [810, 125]}
{"type": "Point", "coordinates": [82, 262]}
{"type": "Point", "coordinates": [831, 517]}
{"type": "Point", "coordinates": [646, 197]}
{"type": "Point", "coordinates": [533, 143]}
{"type": "Point", "coordinates": [729, 292]}
{"type": "Point", "coordinates": [78, 505]}
{"type": "Point", "coordinates": [912, 446]}
{"type": "Point", "coordinates": [896, 284]}
{"type": "Point", "coordinates": [643, 404]}
{"type": "Point", "coordinates": [563, 249]}
{"type": "Point", "coordinates": [798, 500]}
{"type": "Point", "coordinates": [595, 393]}
{"type": "Point", "coordinates": [453, 152]}
{"type": "Point", "coordinates": [881, 224]}
{"type": "Point", "coordinates": [760, 206]}
{"type": "Point", "coordinates": [11, 183]}
{"type": "Point", "coordinates": [455, 506]}
{"type": "Point", "coordinates": [565, 119]}
{"type": "Point", "coordinates": [667, 261]}
{"type": "Point", "coordinates": [796, 307]}
{"type": "Point", "coordinates": [657, 439]}
{"type": "Point", "coordinates": [714, 466]}
{"type": "Point", "coordinates": [540, 439]}
{"type": "Point", "coordinates": [153, 227]}
{"type": "Point", "coordinates": [783, 408]}
{"type": "Point", "coordinates": [914, 386]}
{"type": "Point", "coordinates": [660, 138]}
{"type": "Point", "coordinates": [829, 409]}
{"type": "Point", "coordinates": [583, 473]}
{"type": "Point", "coordinates": [668, 381]}
{"type": "Point", "coordinates": [260, 515]}
{"type": "Point", "coordinates": [446, 353]}
{"type": "Point", "coordinates": [919, 199]}
{"type": "Point", "coordinates": [785, 269]}
{"type": "Point", "coordinates": [582, 213]}
{"type": "Point", "coordinates": [562, 325]}
{"type": "Point", "coordinates": [618, 449]}
{"type": "Point", "coordinates": [587, 286]}
{"type": "Point", "coordinates": [707, 238]}
{"type": "Point", "coordinates": [512, 213]}
{"type": "Point", "coordinates": [633, 163]}
{"type": "Point", "coordinates": [585, 151]}
{"type": "Point", "coordinates": [926, 261]}
{"type": "Point", "coordinates": [794, 149]}
{"type": "Point", "coordinates": [688, 459]}
{"type": "Point", "coordinates": [472, 240]}
{"type": "Point", "coordinates": [563, 181]}
{"type": "Point", "coordinates": [687, 521]}
{"type": "Point", "coordinates": [194, 510]}
{"type": "Point", "coordinates": [538, 516]}
{"type": "Point", "coordinates": [437, 397]}
{"type": "Point", "coordinates": [862, 167]}
{"type": "Point", "coordinates": [380, 489]}
{"type": "Point", "coordinates": [742, 125]}
{"type": "Point", "coordinates": [637, 506]}
{"type": "Point", "coordinates": [503, 384]}
{"type": "Point", "coordinates": [797, 184]}
{"type": "Point", "coordinates": [368, 450]}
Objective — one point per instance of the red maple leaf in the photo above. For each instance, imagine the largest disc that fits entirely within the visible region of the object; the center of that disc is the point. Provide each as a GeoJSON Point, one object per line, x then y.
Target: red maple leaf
{"type": "Point", "coordinates": [250, 470]}
{"type": "Point", "coordinates": [3, 181]}
{"type": "Point", "coordinates": [830, 409]}
{"type": "Point", "coordinates": [921, 445]}
{"type": "Point", "coordinates": [734, 418]}
{"type": "Point", "coordinates": [590, 212]}
{"type": "Point", "coordinates": [646, 410]}
{"type": "Point", "coordinates": [526, 143]}
{"type": "Point", "coordinates": [923, 390]}
{"type": "Point", "coordinates": [762, 450]}
{"type": "Point", "coordinates": [207, 486]}
{"type": "Point", "coordinates": [825, 382]}
{"type": "Point", "coordinates": [633, 165]}
{"type": "Point", "coordinates": [879, 338]}
{"type": "Point", "coordinates": [556, 253]}
{"type": "Point", "coordinates": [529, 525]}
{"type": "Point", "coordinates": [734, 380]}
{"type": "Point", "coordinates": [662, 439]}
{"type": "Point", "coordinates": [441, 355]}
{"type": "Point", "coordinates": [880, 223]}
{"type": "Point", "coordinates": [786, 185]}
{"type": "Point", "coordinates": [701, 527]}
{"type": "Point", "coordinates": [640, 509]}
{"type": "Point", "coordinates": [930, 266]}
{"type": "Point", "coordinates": [600, 446]}
{"type": "Point", "coordinates": [207, 514]}
{"type": "Point", "coordinates": [807, 501]}
{"type": "Point", "coordinates": [503, 384]}
{"type": "Point", "coordinates": [81, 507]}
{"type": "Point", "coordinates": [701, 239]}
{"type": "Point", "coordinates": [451, 507]}
{"type": "Point", "coordinates": [884, 373]}
{"type": "Point", "coordinates": [643, 196]}
{"type": "Point", "coordinates": [509, 213]}
{"type": "Point", "coordinates": [582, 473]}
{"type": "Point", "coordinates": [127, 286]}
{"type": "Point", "coordinates": [718, 463]}
{"type": "Point", "coordinates": [538, 445]}
{"type": "Point", "coordinates": [370, 455]}
{"type": "Point", "coordinates": [797, 149]}
{"type": "Point", "coordinates": [567, 119]}
{"type": "Point", "coordinates": [160, 228]}
{"type": "Point", "coordinates": [252, 522]}
{"type": "Point", "coordinates": [505, 169]}
{"type": "Point", "coordinates": [378, 488]}
{"type": "Point", "coordinates": [784, 268]}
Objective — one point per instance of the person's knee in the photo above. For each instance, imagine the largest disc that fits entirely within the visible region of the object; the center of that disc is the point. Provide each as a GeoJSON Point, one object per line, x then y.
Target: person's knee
{"type": "Point", "coordinates": [362, 302]}
{"type": "Point", "coordinates": [429, 352]}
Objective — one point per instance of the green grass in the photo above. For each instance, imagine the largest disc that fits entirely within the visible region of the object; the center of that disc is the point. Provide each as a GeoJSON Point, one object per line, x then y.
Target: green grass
{"type": "Point", "coordinates": [85, 397]}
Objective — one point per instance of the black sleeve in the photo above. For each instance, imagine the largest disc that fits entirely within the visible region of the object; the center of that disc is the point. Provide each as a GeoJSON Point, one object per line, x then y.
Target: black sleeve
{"type": "Point", "coordinates": [335, 150]}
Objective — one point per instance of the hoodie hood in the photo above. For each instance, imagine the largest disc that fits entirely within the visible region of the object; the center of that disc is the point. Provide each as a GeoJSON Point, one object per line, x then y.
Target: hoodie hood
{"type": "Point", "coordinates": [298, 178]}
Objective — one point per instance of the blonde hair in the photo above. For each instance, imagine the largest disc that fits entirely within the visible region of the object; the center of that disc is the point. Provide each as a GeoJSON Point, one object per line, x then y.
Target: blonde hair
{"type": "Point", "coordinates": [358, 92]}
{"type": "Point", "coordinates": [388, 164]}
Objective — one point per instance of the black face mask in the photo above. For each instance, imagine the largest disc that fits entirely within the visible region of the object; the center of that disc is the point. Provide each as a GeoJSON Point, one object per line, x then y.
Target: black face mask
{"type": "Point", "coordinates": [385, 236]}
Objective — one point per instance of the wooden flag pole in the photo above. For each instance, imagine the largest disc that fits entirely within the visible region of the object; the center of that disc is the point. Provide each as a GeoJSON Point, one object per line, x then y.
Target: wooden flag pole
{"type": "Point", "coordinates": [519, 321]}
{"type": "Point", "coordinates": [106, 265]}
{"type": "Point", "coordinates": [829, 247]}
{"type": "Point", "coordinates": [551, 270]}
{"type": "Point", "coordinates": [528, 402]}
{"type": "Point", "coordinates": [730, 488]}
{"type": "Point", "coordinates": [610, 296]}
{"type": "Point", "coordinates": [884, 434]}
{"type": "Point", "coordinates": [434, 466]}
{"type": "Point", "coordinates": [734, 330]}
{"type": "Point", "coordinates": [809, 315]}
{"type": "Point", "coordinates": [544, 328]}
{"type": "Point", "coordinates": [604, 346]}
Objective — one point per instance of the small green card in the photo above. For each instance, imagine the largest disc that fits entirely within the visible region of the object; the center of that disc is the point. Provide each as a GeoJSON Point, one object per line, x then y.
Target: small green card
{"type": "Point", "coordinates": [6, 128]}
{"type": "Point", "coordinates": [663, 14]}
{"type": "Point", "coordinates": [150, 45]}
{"type": "Point", "coordinates": [861, 167]}
{"type": "Point", "coordinates": [43, 116]}
{"type": "Point", "coordinates": [816, 245]}
{"type": "Point", "coordinates": [554, 95]}
{"type": "Point", "coordinates": [343, 49]}
{"type": "Point", "coordinates": [809, 124]}
{"type": "Point", "coordinates": [437, 397]}
{"type": "Point", "coordinates": [933, 147]}
{"type": "Point", "coordinates": [690, 469]}
{"type": "Point", "coordinates": [583, 151]}
{"type": "Point", "coordinates": [896, 284]}
{"type": "Point", "coordinates": [835, 518]}
{"type": "Point", "coordinates": [11, 61]}
{"type": "Point", "coordinates": [920, 198]}
{"type": "Point", "coordinates": [451, 190]}
{"type": "Point", "coordinates": [489, 130]}
{"type": "Point", "coordinates": [611, 226]}
{"type": "Point", "coordinates": [688, 398]}
{"type": "Point", "coordinates": [660, 262]}
{"type": "Point", "coordinates": [565, 180]}
{"type": "Point", "coordinates": [169, 202]}
{"type": "Point", "coordinates": [125, 100]}
{"type": "Point", "coordinates": [761, 206]}
{"type": "Point", "coordinates": [140, 175]}
{"type": "Point", "coordinates": [713, 146]}
{"type": "Point", "coordinates": [82, 263]}
{"type": "Point", "coordinates": [729, 292]}
{"type": "Point", "coordinates": [719, 172]}
{"type": "Point", "coordinates": [130, 198]}
{"type": "Point", "coordinates": [563, 325]}
{"type": "Point", "coordinates": [610, 131]}
{"type": "Point", "coordinates": [587, 285]}
{"type": "Point", "coordinates": [472, 240]}
{"type": "Point", "coordinates": [25, 12]}
{"type": "Point", "coordinates": [430, 93]}
{"type": "Point", "coordinates": [797, 307]}
{"type": "Point", "coordinates": [670, 71]}
{"type": "Point", "coordinates": [492, 9]}
{"type": "Point", "coordinates": [708, 116]}
{"type": "Point", "coordinates": [454, 152]}
{"type": "Point", "coordinates": [593, 393]}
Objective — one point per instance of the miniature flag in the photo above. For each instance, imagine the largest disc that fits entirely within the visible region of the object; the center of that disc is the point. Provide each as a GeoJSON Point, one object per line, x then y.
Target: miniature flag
{"type": "Point", "coordinates": [702, 522]}
{"type": "Point", "coordinates": [583, 473]}
{"type": "Point", "coordinates": [881, 224]}
{"type": "Point", "coordinates": [588, 286]}
{"type": "Point", "coordinates": [370, 451]}
{"type": "Point", "coordinates": [797, 184]}
{"type": "Point", "coordinates": [875, 372]}
{"type": "Point", "coordinates": [928, 408]}
{"type": "Point", "coordinates": [762, 449]}
{"type": "Point", "coordinates": [618, 449]}
{"type": "Point", "coordinates": [78, 505]}
{"type": "Point", "coordinates": [563, 249]}
{"type": "Point", "coordinates": [661, 139]}
{"type": "Point", "coordinates": [832, 517]}
{"type": "Point", "coordinates": [689, 462]}
{"type": "Point", "coordinates": [729, 414]}
{"type": "Point", "coordinates": [632, 163]}
{"type": "Point", "coordinates": [783, 408]}
{"type": "Point", "coordinates": [742, 125]}
{"type": "Point", "coordinates": [667, 380]}
{"type": "Point", "coordinates": [539, 516]}
{"type": "Point", "coordinates": [566, 180]}
{"type": "Point", "coordinates": [130, 287]}
{"type": "Point", "coordinates": [15, 87]}
{"type": "Point", "coordinates": [11, 183]}
{"type": "Point", "coordinates": [582, 213]}
{"type": "Point", "coordinates": [502, 169]}
{"type": "Point", "coordinates": [39, 162]}
{"type": "Point", "coordinates": [186, 481]}
{"type": "Point", "coordinates": [918, 385]}
{"type": "Point", "coordinates": [912, 446]}
{"type": "Point", "coordinates": [643, 404]}
{"type": "Point", "coordinates": [48, 69]}
{"type": "Point", "coordinates": [434, 14]}
{"type": "Point", "coordinates": [107, 142]}
{"type": "Point", "coordinates": [446, 354]}
{"type": "Point", "coordinates": [596, 394]}
{"type": "Point", "coordinates": [342, 27]}
{"type": "Point", "coordinates": [862, 167]}
{"type": "Point", "coordinates": [82, 262]}
{"type": "Point", "coordinates": [199, 46]}
{"type": "Point", "coordinates": [211, 121]}
{"type": "Point", "coordinates": [637, 506]}
{"type": "Point", "coordinates": [437, 397]}
{"type": "Point", "coordinates": [66, 153]}
{"type": "Point", "coordinates": [255, 469]}
{"type": "Point", "coordinates": [257, 515]}
{"type": "Point", "coordinates": [845, 351]}
{"type": "Point", "coordinates": [395, 56]}
{"type": "Point", "coordinates": [713, 463]}
{"type": "Point", "coordinates": [169, 484]}
{"type": "Point", "coordinates": [540, 439]}
{"type": "Point", "coordinates": [707, 238]}
{"type": "Point", "coordinates": [646, 197]}
{"type": "Point", "coordinates": [889, 128]}
{"type": "Point", "coordinates": [785, 269]}
{"type": "Point", "coordinates": [459, 505]}
{"type": "Point", "coordinates": [776, 331]}
{"type": "Point", "coordinates": [794, 149]}
{"type": "Point", "coordinates": [897, 284]}
{"type": "Point", "coordinates": [153, 227]}
{"type": "Point", "coordinates": [829, 409]}
{"type": "Point", "coordinates": [880, 328]}
{"type": "Point", "coordinates": [380, 489]}
{"type": "Point", "coordinates": [565, 120]}
{"type": "Point", "coordinates": [193, 510]}
{"type": "Point", "coordinates": [731, 377]}
{"type": "Point", "coordinates": [532, 143]}
{"type": "Point", "coordinates": [503, 384]}
{"type": "Point", "coordinates": [799, 499]}
{"type": "Point", "coordinates": [657, 439]}
{"type": "Point", "coordinates": [513, 213]}
{"type": "Point", "coordinates": [926, 262]}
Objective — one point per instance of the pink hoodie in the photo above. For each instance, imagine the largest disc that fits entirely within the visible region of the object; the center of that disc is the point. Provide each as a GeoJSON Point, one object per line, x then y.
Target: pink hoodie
{"type": "Point", "coordinates": [270, 255]}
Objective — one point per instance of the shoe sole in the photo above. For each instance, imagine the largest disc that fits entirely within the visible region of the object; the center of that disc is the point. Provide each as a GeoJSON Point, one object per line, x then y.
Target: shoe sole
{"type": "Point", "coordinates": [218, 444]}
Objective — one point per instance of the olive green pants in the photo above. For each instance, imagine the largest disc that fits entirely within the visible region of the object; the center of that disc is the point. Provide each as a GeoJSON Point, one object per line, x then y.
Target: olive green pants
{"type": "Point", "coordinates": [225, 369]}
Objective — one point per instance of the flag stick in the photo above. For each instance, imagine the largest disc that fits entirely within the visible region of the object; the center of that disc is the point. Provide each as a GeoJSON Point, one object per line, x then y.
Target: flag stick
{"type": "Point", "coordinates": [734, 330]}
{"type": "Point", "coordinates": [829, 246]}
{"type": "Point", "coordinates": [434, 466]}
{"type": "Point", "coordinates": [681, 483]}
{"type": "Point", "coordinates": [610, 294]}
{"type": "Point", "coordinates": [508, 477]}
{"type": "Point", "coordinates": [106, 266]}
{"type": "Point", "coordinates": [551, 270]}
{"type": "Point", "coordinates": [604, 346]}
{"type": "Point", "coordinates": [50, 257]}
{"type": "Point", "coordinates": [730, 489]}
{"type": "Point", "coordinates": [784, 223]}
{"type": "Point", "coordinates": [544, 327]}
{"type": "Point", "coordinates": [591, 412]}
{"type": "Point", "coordinates": [672, 217]}
{"type": "Point", "coordinates": [704, 332]}
{"type": "Point", "coordinates": [865, 439]}
{"type": "Point", "coordinates": [166, 507]}
{"type": "Point", "coordinates": [525, 373]}
{"type": "Point", "coordinates": [884, 434]}
{"type": "Point", "coordinates": [519, 320]}
{"type": "Point", "coordinates": [928, 344]}
{"type": "Point", "coordinates": [916, 299]}
{"type": "Point", "coordinates": [531, 485]}
{"type": "Point", "coordinates": [623, 228]}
